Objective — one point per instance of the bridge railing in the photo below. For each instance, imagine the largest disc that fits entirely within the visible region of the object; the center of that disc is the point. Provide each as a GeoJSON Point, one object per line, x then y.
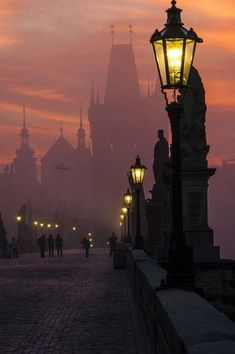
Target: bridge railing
{"type": "Point", "coordinates": [176, 321]}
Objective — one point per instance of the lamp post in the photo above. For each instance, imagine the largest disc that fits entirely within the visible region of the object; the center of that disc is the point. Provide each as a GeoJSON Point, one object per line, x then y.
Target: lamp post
{"type": "Point", "coordinates": [127, 201]}
{"type": "Point", "coordinates": [137, 172]}
{"type": "Point", "coordinates": [35, 230]}
{"type": "Point", "coordinates": [19, 219]}
{"type": "Point", "coordinates": [124, 212]}
{"type": "Point", "coordinates": [174, 48]}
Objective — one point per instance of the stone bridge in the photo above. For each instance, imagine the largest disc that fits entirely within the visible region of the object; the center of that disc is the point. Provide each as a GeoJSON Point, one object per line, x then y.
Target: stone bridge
{"type": "Point", "coordinates": [82, 305]}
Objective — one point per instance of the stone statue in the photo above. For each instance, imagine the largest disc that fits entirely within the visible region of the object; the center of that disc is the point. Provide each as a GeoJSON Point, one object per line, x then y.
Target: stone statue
{"type": "Point", "coordinates": [161, 157]}
{"type": "Point", "coordinates": [194, 146]}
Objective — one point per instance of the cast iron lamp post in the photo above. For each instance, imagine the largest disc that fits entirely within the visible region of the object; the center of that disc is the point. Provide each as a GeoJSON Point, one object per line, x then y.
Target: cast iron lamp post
{"type": "Point", "coordinates": [174, 48]}
{"type": "Point", "coordinates": [137, 172]}
{"type": "Point", "coordinates": [124, 212]}
{"type": "Point", "coordinates": [128, 200]}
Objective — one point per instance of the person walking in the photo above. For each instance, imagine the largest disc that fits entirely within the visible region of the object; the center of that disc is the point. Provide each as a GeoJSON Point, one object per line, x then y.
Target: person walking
{"type": "Point", "coordinates": [50, 244]}
{"type": "Point", "coordinates": [86, 244]}
{"type": "Point", "coordinates": [42, 245]}
{"type": "Point", "coordinates": [59, 245]}
{"type": "Point", "coordinates": [112, 243]}
{"type": "Point", "coordinates": [13, 248]}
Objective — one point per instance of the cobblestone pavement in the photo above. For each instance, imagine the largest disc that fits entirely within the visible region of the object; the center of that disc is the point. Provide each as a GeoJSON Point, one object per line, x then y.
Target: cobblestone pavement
{"type": "Point", "coordinates": [69, 305]}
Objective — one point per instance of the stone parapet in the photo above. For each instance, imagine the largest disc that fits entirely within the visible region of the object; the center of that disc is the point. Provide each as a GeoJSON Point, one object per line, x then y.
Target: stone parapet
{"type": "Point", "coordinates": [177, 321]}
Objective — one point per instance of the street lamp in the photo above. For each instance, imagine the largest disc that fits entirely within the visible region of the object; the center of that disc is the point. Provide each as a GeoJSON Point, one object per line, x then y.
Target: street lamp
{"type": "Point", "coordinates": [174, 48]}
{"type": "Point", "coordinates": [137, 172]}
{"type": "Point", "coordinates": [35, 229]}
{"type": "Point", "coordinates": [124, 211]}
{"type": "Point", "coordinates": [128, 200]}
{"type": "Point", "coordinates": [19, 219]}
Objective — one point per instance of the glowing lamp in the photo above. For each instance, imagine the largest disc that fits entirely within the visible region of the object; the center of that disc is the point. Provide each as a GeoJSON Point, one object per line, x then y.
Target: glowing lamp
{"type": "Point", "coordinates": [18, 218]}
{"type": "Point", "coordinates": [137, 172]}
{"type": "Point", "coordinates": [74, 228]}
{"type": "Point", "coordinates": [49, 226]}
{"type": "Point", "coordinates": [56, 226]}
{"type": "Point", "coordinates": [174, 48]}
{"type": "Point", "coordinates": [35, 223]}
{"type": "Point", "coordinates": [41, 225]}
{"type": "Point", "coordinates": [124, 210]}
{"type": "Point", "coordinates": [122, 217]}
{"type": "Point", "coordinates": [128, 198]}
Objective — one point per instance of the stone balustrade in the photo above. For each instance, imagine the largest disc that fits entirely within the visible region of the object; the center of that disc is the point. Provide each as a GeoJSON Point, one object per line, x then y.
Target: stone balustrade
{"type": "Point", "coordinates": [176, 321]}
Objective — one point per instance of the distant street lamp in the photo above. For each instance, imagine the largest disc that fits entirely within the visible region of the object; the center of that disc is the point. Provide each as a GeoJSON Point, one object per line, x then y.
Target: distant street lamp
{"type": "Point", "coordinates": [128, 200]}
{"type": "Point", "coordinates": [19, 219]}
{"type": "Point", "coordinates": [56, 226]}
{"type": "Point", "coordinates": [35, 229]}
{"type": "Point", "coordinates": [137, 172]}
{"type": "Point", "coordinates": [124, 212]}
{"type": "Point", "coordinates": [174, 48]}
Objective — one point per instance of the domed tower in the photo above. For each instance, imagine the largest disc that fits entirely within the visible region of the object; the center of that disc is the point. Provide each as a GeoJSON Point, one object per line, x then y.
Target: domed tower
{"type": "Point", "coordinates": [25, 163]}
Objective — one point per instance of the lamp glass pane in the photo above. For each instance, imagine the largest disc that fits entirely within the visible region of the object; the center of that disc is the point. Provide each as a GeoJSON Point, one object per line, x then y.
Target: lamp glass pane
{"type": "Point", "coordinates": [128, 199]}
{"type": "Point", "coordinates": [189, 52]}
{"type": "Point", "coordinates": [137, 175]}
{"type": "Point", "coordinates": [159, 54]}
{"type": "Point", "coordinates": [174, 53]}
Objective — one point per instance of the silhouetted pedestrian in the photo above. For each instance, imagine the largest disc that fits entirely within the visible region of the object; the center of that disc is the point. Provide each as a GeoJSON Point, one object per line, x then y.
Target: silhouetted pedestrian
{"type": "Point", "coordinates": [42, 245]}
{"type": "Point", "coordinates": [112, 243]}
{"type": "Point", "coordinates": [13, 248]}
{"type": "Point", "coordinates": [59, 245]}
{"type": "Point", "coordinates": [50, 244]}
{"type": "Point", "coordinates": [86, 244]}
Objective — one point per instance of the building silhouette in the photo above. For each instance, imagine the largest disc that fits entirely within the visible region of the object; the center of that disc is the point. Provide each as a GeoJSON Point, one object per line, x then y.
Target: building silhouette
{"type": "Point", "coordinates": [123, 125]}
{"type": "Point", "coordinates": [64, 194]}
{"type": "Point", "coordinates": [77, 187]}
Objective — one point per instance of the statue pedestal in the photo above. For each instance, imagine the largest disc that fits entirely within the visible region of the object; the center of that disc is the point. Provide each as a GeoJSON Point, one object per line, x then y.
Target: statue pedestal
{"type": "Point", "coordinates": [195, 212]}
{"type": "Point", "coordinates": [157, 216]}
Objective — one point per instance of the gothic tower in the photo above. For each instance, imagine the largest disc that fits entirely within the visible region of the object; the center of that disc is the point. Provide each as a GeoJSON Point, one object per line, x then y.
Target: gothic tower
{"type": "Point", "coordinates": [124, 125]}
{"type": "Point", "coordinates": [24, 165]}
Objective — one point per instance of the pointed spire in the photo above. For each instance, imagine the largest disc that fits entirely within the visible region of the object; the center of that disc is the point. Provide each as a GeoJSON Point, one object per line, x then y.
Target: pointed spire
{"type": "Point", "coordinates": [81, 125]}
{"type": "Point", "coordinates": [24, 124]}
{"type": "Point", "coordinates": [61, 128]}
{"type": "Point", "coordinates": [92, 99]}
{"type": "Point", "coordinates": [98, 95]}
{"type": "Point", "coordinates": [131, 33]}
{"type": "Point", "coordinates": [24, 135]}
{"type": "Point", "coordinates": [112, 33]}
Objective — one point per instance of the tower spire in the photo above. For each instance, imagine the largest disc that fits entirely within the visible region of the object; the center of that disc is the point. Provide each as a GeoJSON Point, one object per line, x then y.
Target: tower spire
{"type": "Point", "coordinates": [112, 34]}
{"type": "Point", "coordinates": [24, 135]}
{"type": "Point", "coordinates": [92, 99]}
{"type": "Point", "coordinates": [81, 145]}
{"type": "Point", "coordinates": [24, 123]}
{"type": "Point", "coordinates": [131, 33]}
{"type": "Point", "coordinates": [81, 125]}
{"type": "Point", "coordinates": [61, 128]}
{"type": "Point", "coordinates": [98, 95]}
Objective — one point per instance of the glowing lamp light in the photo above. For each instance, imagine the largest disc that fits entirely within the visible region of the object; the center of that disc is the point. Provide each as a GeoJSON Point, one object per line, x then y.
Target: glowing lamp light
{"type": "Point", "coordinates": [35, 223]}
{"type": "Point", "coordinates": [49, 226]}
{"type": "Point", "coordinates": [124, 210]}
{"type": "Point", "coordinates": [128, 198]}
{"type": "Point", "coordinates": [122, 217]}
{"type": "Point", "coordinates": [137, 172]}
{"type": "Point", "coordinates": [18, 218]}
{"type": "Point", "coordinates": [89, 233]}
{"type": "Point", "coordinates": [174, 48]}
{"type": "Point", "coordinates": [74, 228]}
{"type": "Point", "coordinates": [41, 225]}
{"type": "Point", "coordinates": [56, 226]}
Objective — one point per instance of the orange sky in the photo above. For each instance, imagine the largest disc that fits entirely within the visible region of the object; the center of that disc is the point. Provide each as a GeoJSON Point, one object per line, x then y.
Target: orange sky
{"type": "Point", "coordinates": [51, 50]}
